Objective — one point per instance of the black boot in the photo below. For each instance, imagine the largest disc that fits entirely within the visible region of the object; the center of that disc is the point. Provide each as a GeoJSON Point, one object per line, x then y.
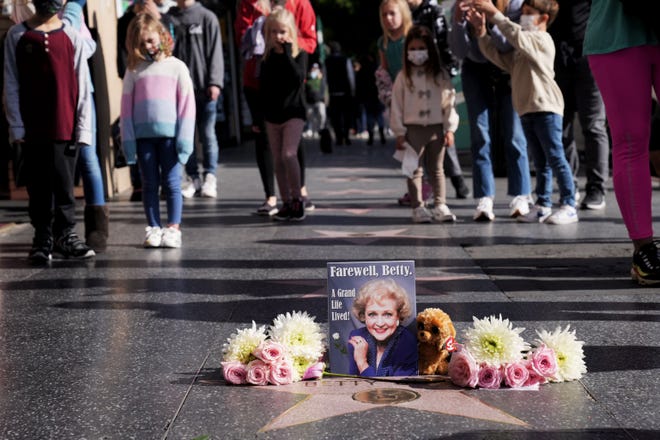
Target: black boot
{"type": "Point", "coordinates": [96, 227]}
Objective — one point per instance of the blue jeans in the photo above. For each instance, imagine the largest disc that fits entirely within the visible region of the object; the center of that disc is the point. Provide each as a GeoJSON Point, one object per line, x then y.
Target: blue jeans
{"type": "Point", "coordinates": [483, 100]}
{"type": "Point", "coordinates": [90, 169]}
{"type": "Point", "coordinates": [543, 131]}
{"type": "Point", "coordinates": [158, 160]}
{"type": "Point", "coordinates": [207, 112]}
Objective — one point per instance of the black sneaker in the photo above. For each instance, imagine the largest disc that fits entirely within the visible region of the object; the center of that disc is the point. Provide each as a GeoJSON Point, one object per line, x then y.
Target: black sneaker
{"type": "Point", "coordinates": [71, 246]}
{"type": "Point", "coordinates": [595, 199]}
{"type": "Point", "coordinates": [646, 265]}
{"type": "Point", "coordinates": [40, 253]}
{"type": "Point", "coordinates": [284, 214]}
{"type": "Point", "coordinates": [297, 210]}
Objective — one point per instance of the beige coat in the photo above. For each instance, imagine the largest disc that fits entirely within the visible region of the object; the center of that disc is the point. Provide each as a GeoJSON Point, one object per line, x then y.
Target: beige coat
{"type": "Point", "coordinates": [430, 101]}
{"type": "Point", "coordinates": [531, 65]}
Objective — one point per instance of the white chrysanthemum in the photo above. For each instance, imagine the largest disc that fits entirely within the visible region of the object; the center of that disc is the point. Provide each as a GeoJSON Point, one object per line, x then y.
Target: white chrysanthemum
{"type": "Point", "coordinates": [569, 352]}
{"type": "Point", "coordinates": [240, 345]}
{"type": "Point", "coordinates": [299, 333]}
{"type": "Point", "coordinates": [495, 341]}
{"type": "Point", "coordinates": [300, 365]}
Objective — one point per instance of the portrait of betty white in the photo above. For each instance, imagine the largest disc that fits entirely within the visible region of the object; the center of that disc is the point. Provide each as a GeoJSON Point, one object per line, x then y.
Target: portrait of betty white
{"type": "Point", "coordinates": [384, 346]}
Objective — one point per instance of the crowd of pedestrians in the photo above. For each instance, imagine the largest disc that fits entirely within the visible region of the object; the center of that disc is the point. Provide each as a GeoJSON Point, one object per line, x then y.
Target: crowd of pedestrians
{"type": "Point", "coordinates": [528, 70]}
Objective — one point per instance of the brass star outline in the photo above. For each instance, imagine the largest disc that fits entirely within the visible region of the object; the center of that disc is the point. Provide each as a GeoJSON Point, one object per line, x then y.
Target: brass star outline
{"type": "Point", "coordinates": [334, 397]}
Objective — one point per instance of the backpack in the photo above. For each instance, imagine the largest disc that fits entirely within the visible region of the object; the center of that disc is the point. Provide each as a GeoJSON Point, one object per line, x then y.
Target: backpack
{"type": "Point", "coordinates": [253, 43]}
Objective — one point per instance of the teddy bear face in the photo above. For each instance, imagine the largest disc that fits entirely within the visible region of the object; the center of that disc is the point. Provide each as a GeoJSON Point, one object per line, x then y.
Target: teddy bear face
{"type": "Point", "coordinates": [434, 327]}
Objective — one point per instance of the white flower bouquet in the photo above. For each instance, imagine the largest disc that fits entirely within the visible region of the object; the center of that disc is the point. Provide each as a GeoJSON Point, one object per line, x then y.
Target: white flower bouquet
{"type": "Point", "coordinates": [495, 355]}
{"type": "Point", "coordinates": [290, 350]}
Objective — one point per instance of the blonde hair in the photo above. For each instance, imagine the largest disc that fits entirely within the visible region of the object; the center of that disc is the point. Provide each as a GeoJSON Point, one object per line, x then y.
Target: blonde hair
{"type": "Point", "coordinates": [378, 290]}
{"type": "Point", "coordinates": [21, 10]}
{"type": "Point", "coordinates": [285, 18]}
{"type": "Point", "coordinates": [145, 23]}
{"type": "Point", "coordinates": [406, 18]}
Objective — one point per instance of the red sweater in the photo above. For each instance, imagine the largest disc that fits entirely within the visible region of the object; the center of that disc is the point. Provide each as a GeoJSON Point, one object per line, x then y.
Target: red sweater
{"type": "Point", "coordinates": [305, 20]}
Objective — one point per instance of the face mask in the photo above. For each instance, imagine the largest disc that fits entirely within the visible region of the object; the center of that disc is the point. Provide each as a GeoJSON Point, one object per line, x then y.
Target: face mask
{"type": "Point", "coordinates": [418, 57]}
{"type": "Point", "coordinates": [527, 22]}
{"type": "Point", "coordinates": [48, 7]}
{"type": "Point", "coordinates": [314, 74]}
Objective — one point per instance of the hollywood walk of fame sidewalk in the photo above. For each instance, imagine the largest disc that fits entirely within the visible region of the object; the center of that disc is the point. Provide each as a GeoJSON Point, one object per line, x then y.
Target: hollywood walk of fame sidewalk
{"type": "Point", "coordinates": [129, 345]}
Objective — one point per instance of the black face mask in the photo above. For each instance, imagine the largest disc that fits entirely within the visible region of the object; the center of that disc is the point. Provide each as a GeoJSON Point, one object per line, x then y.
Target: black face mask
{"type": "Point", "coordinates": [48, 7]}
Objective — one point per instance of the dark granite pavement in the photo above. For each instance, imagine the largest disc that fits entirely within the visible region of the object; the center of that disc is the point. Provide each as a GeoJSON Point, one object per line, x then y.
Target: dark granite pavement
{"type": "Point", "coordinates": [128, 345]}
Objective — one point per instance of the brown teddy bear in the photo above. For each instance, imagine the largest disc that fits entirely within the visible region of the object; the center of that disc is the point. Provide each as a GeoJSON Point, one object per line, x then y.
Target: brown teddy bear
{"type": "Point", "coordinates": [435, 340]}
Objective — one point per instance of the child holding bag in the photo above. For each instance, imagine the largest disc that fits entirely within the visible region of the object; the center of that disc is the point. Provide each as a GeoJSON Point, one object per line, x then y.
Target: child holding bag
{"type": "Point", "coordinates": [418, 122]}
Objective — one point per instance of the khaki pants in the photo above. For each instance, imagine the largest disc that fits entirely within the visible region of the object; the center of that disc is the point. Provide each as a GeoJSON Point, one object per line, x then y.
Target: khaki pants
{"type": "Point", "coordinates": [429, 141]}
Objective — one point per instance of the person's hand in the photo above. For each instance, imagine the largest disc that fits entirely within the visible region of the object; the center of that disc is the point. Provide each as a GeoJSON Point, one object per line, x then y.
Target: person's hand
{"type": "Point", "coordinates": [486, 7]}
{"type": "Point", "coordinates": [461, 9]}
{"type": "Point", "coordinates": [478, 22]}
{"type": "Point", "coordinates": [399, 142]}
{"type": "Point", "coordinates": [449, 139]}
{"type": "Point", "coordinates": [213, 92]}
{"type": "Point", "coordinates": [151, 8]}
{"type": "Point", "coordinates": [360, 350]}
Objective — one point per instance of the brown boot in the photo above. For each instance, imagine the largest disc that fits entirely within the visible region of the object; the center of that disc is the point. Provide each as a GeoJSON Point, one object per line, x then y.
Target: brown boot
{"type": "Point", "coordinates": [96, 227]}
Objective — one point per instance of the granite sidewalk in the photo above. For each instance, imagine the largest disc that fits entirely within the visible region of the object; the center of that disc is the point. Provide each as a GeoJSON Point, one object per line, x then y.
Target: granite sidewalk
{"type": "Point", "coordinates": [128, 346]}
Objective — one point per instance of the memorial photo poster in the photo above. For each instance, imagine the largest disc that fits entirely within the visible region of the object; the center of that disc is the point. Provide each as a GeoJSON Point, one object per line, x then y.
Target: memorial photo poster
{"type": "Point", "coordinates": [345, 279]}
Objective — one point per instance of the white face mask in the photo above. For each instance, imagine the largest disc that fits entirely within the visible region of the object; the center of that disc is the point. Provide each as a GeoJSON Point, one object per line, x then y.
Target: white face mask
{"type": "Point", "coordinates": [528, 22]}
{"type": "Point", "coordinates": [418, 57]}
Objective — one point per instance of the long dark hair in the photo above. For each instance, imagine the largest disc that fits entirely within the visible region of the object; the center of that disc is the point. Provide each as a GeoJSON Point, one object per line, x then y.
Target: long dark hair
{"type": "Point", "coordinates": [433, 66]}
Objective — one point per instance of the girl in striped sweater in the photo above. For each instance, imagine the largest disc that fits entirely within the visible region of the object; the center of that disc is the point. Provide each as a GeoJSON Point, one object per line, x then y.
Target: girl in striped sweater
{"type": "Point", "coordinates": [157, 123]}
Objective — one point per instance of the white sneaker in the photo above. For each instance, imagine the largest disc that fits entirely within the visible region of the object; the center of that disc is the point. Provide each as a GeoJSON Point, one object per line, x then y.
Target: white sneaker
{"type": "Point", "coordinates": [565, 215]}
{"type": "Point", "coordinates": [210, 186]}
{"type": "Point", "coordinates": [171, 238]}
{"type": "Point", "coordinates": [442, 214]}
{"type": "Point", "coordinates": [519, 206]}
{"type": "Point", "coordinates": [154, 237]}
{"type": "Point", "coordinates": [421, 215]}
{"type": "Point", "coordinates": [484, 211]}
{"type": "Point", "coordinates": [537, 214]}
{"type": "Point", "coordinates": [191, 187]}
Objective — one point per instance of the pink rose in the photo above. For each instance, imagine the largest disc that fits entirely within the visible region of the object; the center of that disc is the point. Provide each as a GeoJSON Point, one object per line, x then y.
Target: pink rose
{"type": "Point", "coordinates": [314, 371]}
{"type": "Point", "coordinates": [534, 377]}
{"type": "Point", "coordinates": [280, 373]}
{"type": "Point", "coordinates": [257, 372]}
{"type": "Point", "coordinates": [234, 372]}
{"type": "Point", "coordinates": [544, 361]}
{"type": "Point", "coordinates": [269, 352]}
{"type": "Point", "coordinates": [516, 374]}
{"type": "Point", "coordinates": [490, 377]}
{"type": "Point", "coordinates": [463, 369]}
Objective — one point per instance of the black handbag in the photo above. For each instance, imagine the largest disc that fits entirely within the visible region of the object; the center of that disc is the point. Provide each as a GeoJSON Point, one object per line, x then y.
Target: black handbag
{"type": "Point", "coordinates": [120, 157]}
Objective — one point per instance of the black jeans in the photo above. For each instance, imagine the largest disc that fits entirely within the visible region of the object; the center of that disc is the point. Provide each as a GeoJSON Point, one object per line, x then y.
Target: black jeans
{"type": "Point", "coordinates": [581, 96]}
{"type": "Point", "coordinates": [49, 170]}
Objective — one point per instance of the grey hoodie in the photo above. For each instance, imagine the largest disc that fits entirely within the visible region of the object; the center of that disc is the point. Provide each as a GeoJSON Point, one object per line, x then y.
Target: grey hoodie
{"type": "Point", "coordinates": [198, 43]}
